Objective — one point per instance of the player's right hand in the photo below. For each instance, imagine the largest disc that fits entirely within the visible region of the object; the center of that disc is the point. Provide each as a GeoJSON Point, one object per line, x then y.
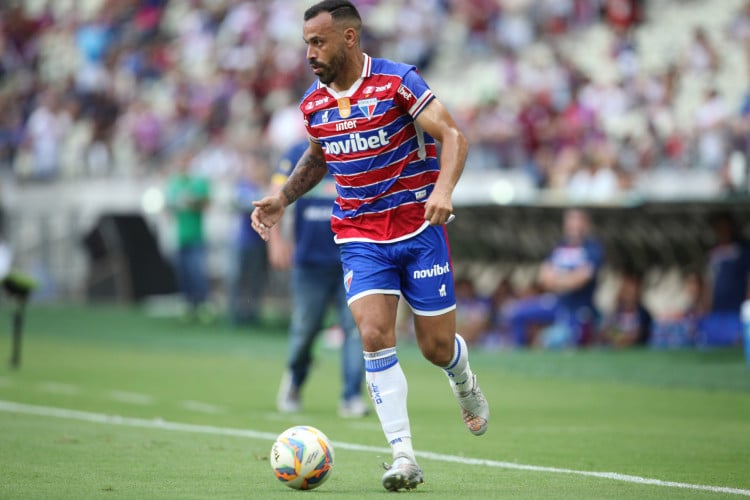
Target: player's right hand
{"type": "Point", "coordinates": [267, 214]}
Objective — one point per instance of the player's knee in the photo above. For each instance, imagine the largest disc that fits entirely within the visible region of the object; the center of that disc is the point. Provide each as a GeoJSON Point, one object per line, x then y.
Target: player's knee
{"type": "Point", "coordinates": [438, 352]}
{"type": "Point", "coordinates": [376, 336]}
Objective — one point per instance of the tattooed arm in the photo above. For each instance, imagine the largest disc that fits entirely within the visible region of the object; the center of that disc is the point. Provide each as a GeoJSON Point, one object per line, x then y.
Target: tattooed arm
{"type": "Point", "coordinates": [310, 169]}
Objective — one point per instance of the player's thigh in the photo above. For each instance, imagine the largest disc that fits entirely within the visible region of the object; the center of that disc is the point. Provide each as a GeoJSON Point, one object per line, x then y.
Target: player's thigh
{"type": "Point", "coordinates": [368, 269]}
{"type": "Point", "coordinates": [427, 273]}
{"type": "Point", "coordinates": [375, 316]}
{"type": "Point", "coordinates": [371, 280]}
{"type": "Point", "coordinates": [436, 336]}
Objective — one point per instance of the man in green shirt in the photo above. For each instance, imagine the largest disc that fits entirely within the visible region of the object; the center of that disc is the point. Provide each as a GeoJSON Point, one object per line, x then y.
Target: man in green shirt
{"type": "Point", "coordinates": [188, 196]}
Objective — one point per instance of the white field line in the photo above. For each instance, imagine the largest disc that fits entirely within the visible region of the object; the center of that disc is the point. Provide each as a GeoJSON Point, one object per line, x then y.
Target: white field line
{"type": "Point", "coordinates": [59, 388]}
{"type": "Point", "coordinates": [200, 407]}
{"type": "Point", "coordinates": [101, 418]}
{"type": "Point", "coordinates": [135, 398]}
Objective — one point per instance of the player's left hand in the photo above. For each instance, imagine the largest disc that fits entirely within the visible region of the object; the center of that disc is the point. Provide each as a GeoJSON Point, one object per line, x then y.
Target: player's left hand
{"type": "Point", "coordinates": [438, 208]}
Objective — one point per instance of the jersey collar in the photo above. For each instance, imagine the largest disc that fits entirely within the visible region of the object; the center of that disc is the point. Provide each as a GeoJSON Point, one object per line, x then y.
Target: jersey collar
{"type": "Point", "coordinates": [366, 72]}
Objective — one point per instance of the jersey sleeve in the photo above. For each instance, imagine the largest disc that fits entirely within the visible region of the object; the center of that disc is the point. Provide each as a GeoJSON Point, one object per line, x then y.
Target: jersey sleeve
{"type": "Point", "coordinates": [413, 94]}
{"type": "Point", "coordinates": [310, 132]}
{"type": "Point", "coordinates": [308, 108]}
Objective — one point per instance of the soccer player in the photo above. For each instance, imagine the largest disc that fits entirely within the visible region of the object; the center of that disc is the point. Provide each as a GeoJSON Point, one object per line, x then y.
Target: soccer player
{"type": "Point", "coordinates": [317, 280]}
{"type": "Point", "coordinates": [373, 124]}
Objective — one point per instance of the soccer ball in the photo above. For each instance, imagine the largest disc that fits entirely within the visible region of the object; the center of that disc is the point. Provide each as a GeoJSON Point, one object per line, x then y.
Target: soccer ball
{"type": "Point", "coordinates": [302, 457]}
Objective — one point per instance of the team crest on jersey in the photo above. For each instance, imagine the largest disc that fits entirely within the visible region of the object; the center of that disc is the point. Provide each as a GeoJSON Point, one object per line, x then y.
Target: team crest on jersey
{"type": "Point", "coordinates": [324, 118]}
{"type": "Point", "coordinates": [345, 107]}
{"type": "Point", "coordinates": [348, 279]}
{"type": "Point", "coordinates": [367, 106]}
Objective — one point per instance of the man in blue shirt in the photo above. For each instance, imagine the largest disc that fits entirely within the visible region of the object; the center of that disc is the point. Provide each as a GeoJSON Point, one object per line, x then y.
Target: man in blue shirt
{"type": "Point", "coordinates": [569, 278]}
{"type": "Point", "coordinates": [249, 262]}
{"type": "Point", "coordinates": [317, 281]}
{"type": "Point", "coordinates": [728, 284]}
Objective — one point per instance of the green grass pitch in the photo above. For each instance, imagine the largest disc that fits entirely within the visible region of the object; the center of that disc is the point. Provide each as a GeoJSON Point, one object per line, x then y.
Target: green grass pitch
{"type": "Point", "coordinates": [197, 408]}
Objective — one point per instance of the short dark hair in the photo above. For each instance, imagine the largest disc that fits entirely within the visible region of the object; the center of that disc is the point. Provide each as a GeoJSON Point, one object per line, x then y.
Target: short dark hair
{"type": "Point", "coordinates": [339, 9]}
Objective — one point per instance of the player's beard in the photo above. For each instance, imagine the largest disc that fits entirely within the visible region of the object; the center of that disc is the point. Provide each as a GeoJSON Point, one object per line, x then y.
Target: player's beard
{"type": "Point", "coordinates": [331, 70]}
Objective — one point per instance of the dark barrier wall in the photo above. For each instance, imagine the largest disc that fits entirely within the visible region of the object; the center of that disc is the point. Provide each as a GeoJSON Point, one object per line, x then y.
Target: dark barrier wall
{"type": "Point", "coordinates": [125, 260]}
{"type": "Point", "coordinates": [635, 238]}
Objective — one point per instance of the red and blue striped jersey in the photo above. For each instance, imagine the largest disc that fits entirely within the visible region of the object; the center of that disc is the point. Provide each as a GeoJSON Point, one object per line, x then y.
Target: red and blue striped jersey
{"type": "Point", "coordinates": [384, 165]}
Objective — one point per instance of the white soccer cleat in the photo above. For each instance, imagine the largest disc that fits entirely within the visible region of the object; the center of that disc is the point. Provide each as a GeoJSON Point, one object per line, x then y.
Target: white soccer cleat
{"type": "Point", "coordinates": [403, 473]}
{"type": "Point", "coordinates": [474, 407]}
{"type": "Point", "coordinates": [287, 400]}
{"type": "Point", "coordinates": [355, 407]}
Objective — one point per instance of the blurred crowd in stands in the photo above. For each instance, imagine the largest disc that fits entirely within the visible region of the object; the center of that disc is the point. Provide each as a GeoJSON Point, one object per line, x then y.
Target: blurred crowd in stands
{"type": "Point", "coordinates": [108, 87]}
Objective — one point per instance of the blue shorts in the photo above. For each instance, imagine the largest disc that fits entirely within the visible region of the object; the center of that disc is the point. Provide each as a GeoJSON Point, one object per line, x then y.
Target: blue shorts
{"type": "Point", "coordinates": [418, 268]}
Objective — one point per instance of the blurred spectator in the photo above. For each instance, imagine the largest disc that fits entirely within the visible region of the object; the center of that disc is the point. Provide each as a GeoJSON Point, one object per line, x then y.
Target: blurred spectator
{"type": "Point", "coordinates": [188, 196]}
{"type": "Point", "coordinates": [629, 323]}
{"type": "Point", "coordinates": [192, 23]}
{"type": "Point", "coordinates": [711, 122]}
{"type": "Point", "coordinates": [473, 312]}
{"type": "Point", "coordinates": [145, 129]}
{"type": "Point", "coordinates": [621, 15]}
{"type": "Point", "coordinates": [10, 132]}
{"type": "Point", "coordinates": [494, 137]}
{"type": "Point", "coordinates": [677, 327]}
{"type": "Point", "coordinates": [514, 28]}
{"type": "Point", "coordinates": [701, 57]}
{"type": "Point", "coordinates": [477, 16]}
{"type": "Point", "coordinates": [578, 124]}
{"type": "Point", "coordinates": [629, 158]}
{"type": "Point", "coordinates": [184, 128]}
{"type": "Point", "coordinates": [728, 284]}
{"type": "Point", "coordinates": [249, 262]}
{"type": "Point", "coordinates": [595, 179]}
{"type": "Point", "coordinates": [568, 277]}
{"type": "Point", "coordinates": [45, 133]}
{"type": "Point", "coordinates": [102, 109]}
{"type": "Point", "coordinates": [498, 335]}
{"type": "Point", "coordinates": [536, 122]}
{"type": "Point", "coordinates": [610, 99]}
{"type": "Point", "coordinates": [738, 30]}
{"type": "Point", "coordinates": [554, 15]}
{"type": "Point", "coordinates": [586, 13]}
{"type": "Point", "coordinates": [624, 51]}
{"type": "Point", "coordinates": [218, 159]}
{"type": "Point", "coordinates": [417, 32]}
{"type": "Point", "coordinates": [737, 173]}
{"type": "Point", "coordinates": [285, 128]}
